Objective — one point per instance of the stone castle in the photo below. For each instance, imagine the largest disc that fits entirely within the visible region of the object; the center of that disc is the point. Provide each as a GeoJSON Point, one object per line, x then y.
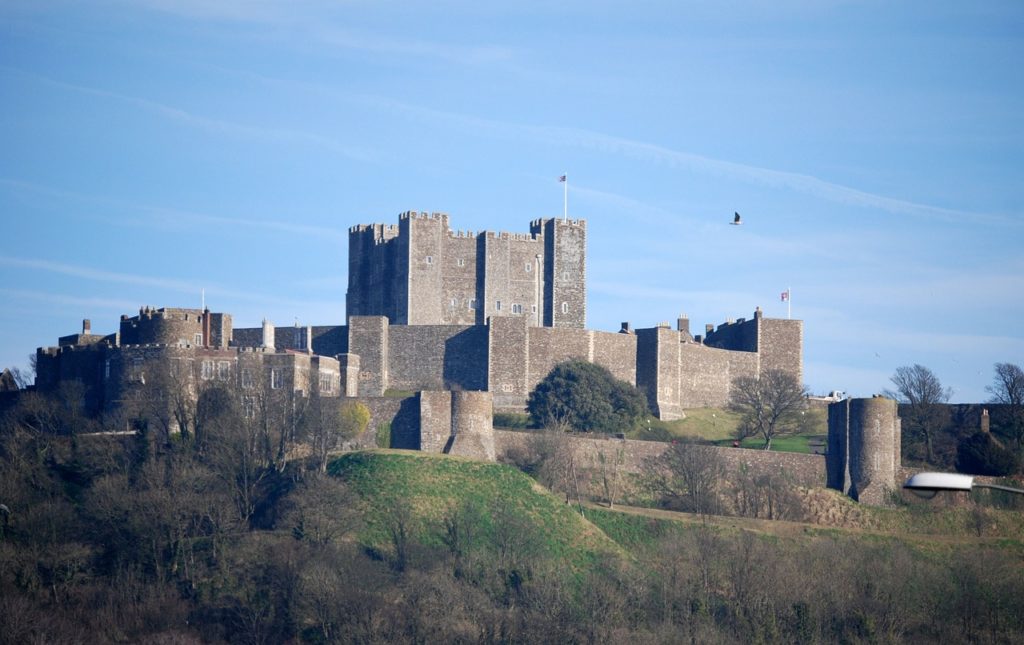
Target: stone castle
{"type": "Point", "coordinates": [464, 323]}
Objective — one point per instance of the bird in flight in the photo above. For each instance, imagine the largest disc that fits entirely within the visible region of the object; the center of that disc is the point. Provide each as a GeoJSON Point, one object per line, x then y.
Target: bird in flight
{"type": "Point", "coordinates": [736, 220]}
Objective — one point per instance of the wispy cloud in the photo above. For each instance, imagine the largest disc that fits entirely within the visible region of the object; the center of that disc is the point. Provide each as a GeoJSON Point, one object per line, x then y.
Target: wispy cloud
{"type": "Point", "coordinates": [652, 153]}
{"type": "Point", "coordinates": [98, 274]}
{"type": "Point", "coordinates": [218, 127]}
{"type": "Point", "coordinates": [164, 217]}
{"type": "Point", "coordinates": [186, 219]}
{"type": "Point", "coordinates": [193, 289]}
{"type": "Point", "coordinates": [107, 304]}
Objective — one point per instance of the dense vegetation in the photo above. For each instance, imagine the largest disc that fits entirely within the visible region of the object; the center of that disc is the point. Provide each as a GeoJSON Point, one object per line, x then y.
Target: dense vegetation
{"type": "Point", "coordinates": [227, 534]}
{"type": "Point", "coordinates": [114, 539]}
{"type": "Point", "coordinates": [584, 396]}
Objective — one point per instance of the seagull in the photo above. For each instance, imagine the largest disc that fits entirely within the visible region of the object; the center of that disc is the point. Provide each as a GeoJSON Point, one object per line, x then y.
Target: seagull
{"type": "Point", "coordinates": [736, 221]}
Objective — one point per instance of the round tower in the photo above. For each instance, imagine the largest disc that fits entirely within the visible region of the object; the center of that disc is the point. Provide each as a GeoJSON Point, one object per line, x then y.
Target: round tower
{"type": "Point", "coordinates": [872, 440]}
{"type": "Point", "coordinates": [472, 425]}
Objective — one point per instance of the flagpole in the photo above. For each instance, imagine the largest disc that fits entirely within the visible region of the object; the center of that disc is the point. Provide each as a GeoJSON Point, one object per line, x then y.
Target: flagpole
{"type": "Point", "coordinates": [565, 198]}
{"type": "Point", "coordinates": [789, 303]}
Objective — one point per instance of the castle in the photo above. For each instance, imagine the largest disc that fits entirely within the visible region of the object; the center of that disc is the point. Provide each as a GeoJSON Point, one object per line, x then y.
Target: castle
{"type": "Point", "coordinates": [469, 322]}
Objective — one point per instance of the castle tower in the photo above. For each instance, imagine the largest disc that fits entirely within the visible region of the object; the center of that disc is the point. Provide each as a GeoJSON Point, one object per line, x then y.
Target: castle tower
{"type": "Point", "coordinates": [420, 272]}
{"type": "Point", "coordinates": [863, 455]}
{"type": "Point", "coordinates": [565, 272]}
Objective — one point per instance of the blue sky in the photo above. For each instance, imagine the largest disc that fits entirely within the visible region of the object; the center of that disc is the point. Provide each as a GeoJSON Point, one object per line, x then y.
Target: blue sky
{"type": "Point", "coordinates": [155, 148]}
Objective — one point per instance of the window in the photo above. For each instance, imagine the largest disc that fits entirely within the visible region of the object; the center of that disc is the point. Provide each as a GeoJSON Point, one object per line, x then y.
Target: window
{"type": "Point", "coordinates": [455, 303]}
{"type": "Point", "coordinates": [461, 262]}
{"type": "Point", "coordinates": [507, 387]}
{"type": "Point", "coordinates": [430, 259]}
{"type": "Point", "coordinates": [497, 305]}
{"type": "Point", "coordinates": [565, 307]}
{"type": "Point", "coordinates": [529, 267]}
{"type": "Point", "coordinates": [136, 374]}
{"type": "Point", "coordinates": [247, 379]}
{"type": "Point", "coordinates": [206, 372]}
{"type": "Point", "coordinates": [327, 382]}
{"type": "Point", "coordinates": [472, 303]}
{"type": "Point", "coordinates": [106, 369]}
{"type": "Point", "coordinates": [533, 309]}
{"type": "Point", "coordinates": [223, 370]}
{"type": "Point", "coordinates": [276, 378]}
{"type": "Point", "coordinates": [517, 309]}
{"type": "Point", "coordinates": [199, 339]}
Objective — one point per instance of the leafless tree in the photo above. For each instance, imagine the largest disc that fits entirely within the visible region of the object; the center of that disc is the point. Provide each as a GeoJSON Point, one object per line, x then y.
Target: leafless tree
{"type": "Point", "coordinates": [772, 404]}
{"type": "Point", "coordinates": [1007, 389]}
{"type": "Point", "coordinates": [925, 397]}
{"type": "Point", "coordinates": [686, 477]}
{"type": "Point", "coordinates": [611, 473]}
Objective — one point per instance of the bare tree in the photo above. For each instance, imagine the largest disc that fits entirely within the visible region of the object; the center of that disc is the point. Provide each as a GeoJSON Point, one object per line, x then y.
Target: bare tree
{"type": "Point", "coordinates": [771, 404]}
{"type": "Point", "coordinates": [686, 477]}
{"type": "Point", "coordinates": [925, 397]}
{"type": "Point", "coordinates": [1008, 389]}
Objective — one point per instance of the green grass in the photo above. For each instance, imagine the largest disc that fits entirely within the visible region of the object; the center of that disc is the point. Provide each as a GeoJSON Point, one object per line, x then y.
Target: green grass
{"type": "Point", "coordinates": [718, 426]}
{"type": "Point", "coordinates": [431, 485]}
{"type": "Point", "coordinates": [806, 444]}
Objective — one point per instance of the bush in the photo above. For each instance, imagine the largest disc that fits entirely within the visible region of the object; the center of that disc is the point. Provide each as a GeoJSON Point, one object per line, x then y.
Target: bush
{"type": "Point", "coordinates": [980, 454]}
{"type": "Point", "coordinates": [586, 397]}
{"type": "Point", "coordinates": [513, 420]}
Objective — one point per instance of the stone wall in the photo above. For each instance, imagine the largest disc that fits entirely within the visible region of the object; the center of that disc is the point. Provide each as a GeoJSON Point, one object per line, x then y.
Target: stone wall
{"type": "Point", "coordinates": [402, 414]}
{"type": "Point", "coordinates": [435, 421]}
{"type": "Point", "coordinates": [633, 456]}
{"type": "Point", "coordinates": [706, 374]}
{"type": "Point", "coordinates": [780, 345]}
{"type": "Point", "coordinates": [437, 357]}
{"type": "Point", "coordinates": [368, 339]}
{"type": "Point", "coordinates": [508, 356]}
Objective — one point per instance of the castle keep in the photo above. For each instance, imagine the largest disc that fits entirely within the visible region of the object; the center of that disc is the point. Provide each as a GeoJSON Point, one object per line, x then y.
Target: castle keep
{"type": "Point", "coordinates": [420, 272]}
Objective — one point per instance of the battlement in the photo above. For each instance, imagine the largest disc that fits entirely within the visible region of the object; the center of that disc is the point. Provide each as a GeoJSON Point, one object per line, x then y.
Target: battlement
{"type": "Point", "coordinates": [538, 224]}
{"type": "Point", "coordinates": [515, 237]}
{"type": "Point", "coordinates": [424, 215]}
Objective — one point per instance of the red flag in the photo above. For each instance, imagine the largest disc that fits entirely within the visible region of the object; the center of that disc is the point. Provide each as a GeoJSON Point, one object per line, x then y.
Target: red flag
{"type": "Point", "coordinates": [562, 178]}
{"type": "Point", "coordinates": [785, 295]}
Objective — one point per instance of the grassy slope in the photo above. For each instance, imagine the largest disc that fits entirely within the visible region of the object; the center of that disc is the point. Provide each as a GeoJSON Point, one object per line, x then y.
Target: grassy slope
{"type": "Point", "coordinates": [433, 484]}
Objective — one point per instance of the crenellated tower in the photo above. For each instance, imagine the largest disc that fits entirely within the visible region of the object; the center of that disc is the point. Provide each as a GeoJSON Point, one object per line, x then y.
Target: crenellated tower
{"type": "Point", "coordinates": [420, 272]}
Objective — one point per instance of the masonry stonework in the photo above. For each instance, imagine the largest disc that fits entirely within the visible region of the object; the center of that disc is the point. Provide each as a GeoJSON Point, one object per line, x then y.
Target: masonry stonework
{"type": "Point", "coordinates": [863, 453]}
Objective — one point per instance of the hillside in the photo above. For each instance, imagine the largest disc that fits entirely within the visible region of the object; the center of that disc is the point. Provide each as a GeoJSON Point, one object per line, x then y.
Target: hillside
{"type": "Point", "coordinates": [427, 490]}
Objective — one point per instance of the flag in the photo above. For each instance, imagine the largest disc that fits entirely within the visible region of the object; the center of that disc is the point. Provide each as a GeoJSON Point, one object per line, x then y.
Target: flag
{"type": "Point", "coordinates": [562, 178]}
{"type": "Point", "coordinates": [785, 295]}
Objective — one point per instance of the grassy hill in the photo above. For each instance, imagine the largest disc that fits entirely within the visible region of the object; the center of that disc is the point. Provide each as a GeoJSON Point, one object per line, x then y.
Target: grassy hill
{"type": "Point", "coordinates": [425, 491]}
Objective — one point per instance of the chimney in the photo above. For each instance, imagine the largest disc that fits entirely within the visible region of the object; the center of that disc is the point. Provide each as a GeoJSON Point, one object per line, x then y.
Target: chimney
{"type": "Point", "coordinates": [86, 327]}
{"type": "Point", "coordinates": [268, 335]}
{"type": "Point", "coordinates": [683, 324]}
{"type": "Point", "coordinates": [627, 328]}
{"type": "Point", "coordinates": [984, 420]}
